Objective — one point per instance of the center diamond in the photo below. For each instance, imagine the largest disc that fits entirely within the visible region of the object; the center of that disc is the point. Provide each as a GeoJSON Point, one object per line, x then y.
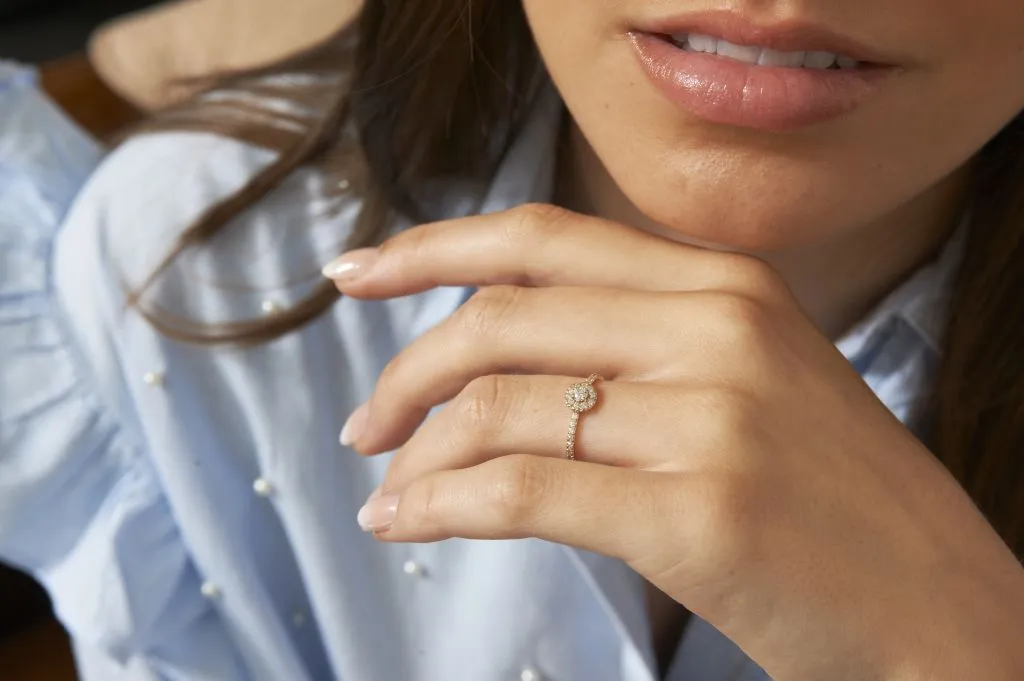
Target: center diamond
{"type": "Point", "coordinates": [580, 397]}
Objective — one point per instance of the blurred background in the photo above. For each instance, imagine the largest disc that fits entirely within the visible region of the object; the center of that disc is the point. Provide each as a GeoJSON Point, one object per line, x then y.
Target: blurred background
{"type": "Point", "coordinates": [107, 64]}
{"type": "Point", "coordinates": [52, 35]}
{"type": "Point", "coordinates": [40, 30]}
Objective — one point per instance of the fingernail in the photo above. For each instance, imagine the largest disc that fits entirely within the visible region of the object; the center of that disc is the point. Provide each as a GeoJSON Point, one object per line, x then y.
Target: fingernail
{"type": "Point", "coordinates": [352, 265]}
{"type": "Point", "coordinates": [355, 426]}
{"type": "Point", "coordinates": [378, 515]}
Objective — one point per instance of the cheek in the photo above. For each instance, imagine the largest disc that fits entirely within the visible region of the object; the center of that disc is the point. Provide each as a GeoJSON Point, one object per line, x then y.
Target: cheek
{"type": "Point", "coordinates": [761, 190]}
{"type": "Point", "coordinates": [572, 34]}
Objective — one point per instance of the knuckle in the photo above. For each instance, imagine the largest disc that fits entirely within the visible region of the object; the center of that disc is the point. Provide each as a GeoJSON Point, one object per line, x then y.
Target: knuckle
{"type": "Point", "coordinates": [735, 410]}
{"type": "Point", "coordinates": [753, 275]}
{"type": "Point", "coordinates": [532, 222]}
{"type": "Point", "coordinates": [519, 488]}
{"type": "Point", "coordinates": [422, 504]}
{"type": "Point", "coordinates": [489, 310]}
{"type": "Point", "coordinates": [741, 312]}
{"type": "Point", "coordinates": [482, 405]}
{"type": "Point", "coordinates": [392, 373]}
{"type": "Point", "coordinates": [741, 324]}
{"type": "Point", "coordinates": [534, 233]}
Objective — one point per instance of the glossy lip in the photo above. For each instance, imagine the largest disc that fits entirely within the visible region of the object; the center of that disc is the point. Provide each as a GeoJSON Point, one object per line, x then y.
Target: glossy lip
{"type": "Point", "coordinates": [731, 92]}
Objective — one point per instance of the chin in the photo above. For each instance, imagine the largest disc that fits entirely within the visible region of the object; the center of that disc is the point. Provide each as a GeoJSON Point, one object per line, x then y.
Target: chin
{"type": "Point", "coordinates": [751, 218]}
{"type": "Point", "coordinates": [727, 192]}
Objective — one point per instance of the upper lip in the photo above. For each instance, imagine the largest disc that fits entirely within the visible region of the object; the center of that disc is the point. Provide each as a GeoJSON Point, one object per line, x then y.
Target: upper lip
{"type": "Point", "coordinates": [789, 35]}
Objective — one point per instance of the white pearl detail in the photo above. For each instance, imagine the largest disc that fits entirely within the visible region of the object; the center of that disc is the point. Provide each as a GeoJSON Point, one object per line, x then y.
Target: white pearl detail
{"type": "Point", "coordinates": [530, 674]}
{"type": "Point", "coordinates": [153, 379]}
{"type": "Point", "coordinates": [210, 590]}
{"type": "Point", "coordinates": [262, 487]}
{"type": "Point", "coordinates": [299, 619]}
{"type": "Point", "coordinates": [270, 306]}
{"type": "Point", "coordinates": [413, 569]}
{"type": "Point", "coordinates": [344, 184]}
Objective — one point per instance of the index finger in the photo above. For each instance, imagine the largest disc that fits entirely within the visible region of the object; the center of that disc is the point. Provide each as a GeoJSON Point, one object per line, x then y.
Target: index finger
{"type": "Point", "coordinates": [542, 245]}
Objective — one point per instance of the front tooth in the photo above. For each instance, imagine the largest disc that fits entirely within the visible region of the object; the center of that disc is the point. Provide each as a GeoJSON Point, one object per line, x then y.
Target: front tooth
{"type": "Point", "coordinates": [701, 43]}
{"type": "Point", "coordinates": [744, 53]}
{"type": "Point", "coordinates": [777, 58]}
{"type": "Point", "coordinates": [819, 60]}
{"type": "Point", "coordinates": [847, 63]}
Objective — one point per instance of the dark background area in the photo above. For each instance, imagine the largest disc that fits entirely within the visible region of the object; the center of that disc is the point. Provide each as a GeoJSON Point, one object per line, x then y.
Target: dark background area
{"type": "Point", "coordinates": [39, 31]}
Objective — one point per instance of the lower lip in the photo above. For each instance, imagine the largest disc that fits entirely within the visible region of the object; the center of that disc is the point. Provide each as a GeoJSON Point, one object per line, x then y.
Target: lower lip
{"type": "Point", "coordinates": [772, 98]}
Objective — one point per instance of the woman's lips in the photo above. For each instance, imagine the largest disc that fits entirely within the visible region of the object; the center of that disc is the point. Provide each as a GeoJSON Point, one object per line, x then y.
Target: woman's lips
{"type": "Point", "coordinates": [724, 90]}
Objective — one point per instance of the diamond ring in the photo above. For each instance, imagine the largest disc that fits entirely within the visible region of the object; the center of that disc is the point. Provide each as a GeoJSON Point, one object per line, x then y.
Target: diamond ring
{"type": "Point", "coordinates": [579, 397]}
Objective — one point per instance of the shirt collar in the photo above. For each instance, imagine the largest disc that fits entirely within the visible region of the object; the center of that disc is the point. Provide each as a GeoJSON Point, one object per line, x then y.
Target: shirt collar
{"type": "Point", "coordinates": [921, 302]}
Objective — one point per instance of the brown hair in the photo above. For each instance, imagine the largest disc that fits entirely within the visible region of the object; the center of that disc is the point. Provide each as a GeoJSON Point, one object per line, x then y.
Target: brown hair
{"type": "Point", "coordinates": [440, 88]}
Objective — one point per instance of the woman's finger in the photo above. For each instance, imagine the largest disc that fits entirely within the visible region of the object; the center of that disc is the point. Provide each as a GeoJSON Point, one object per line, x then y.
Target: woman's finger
{"type": "Point", "coordinates": [499, 416]}
{"type": "Point", "coordinates": [614, 511]}
{"type": "Point", "coordinates": [541, 245]}
{"type": "Point", "coordinates": [557, 331]}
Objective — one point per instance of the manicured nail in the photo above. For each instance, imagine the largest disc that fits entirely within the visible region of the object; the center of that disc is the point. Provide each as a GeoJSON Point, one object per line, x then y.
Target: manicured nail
{"type": "Point", "coordinates": [355, 426]}
{"type": "Point", "coordinates": [378, 515]}
{"type": "Point", "coordinates": [352, 265]}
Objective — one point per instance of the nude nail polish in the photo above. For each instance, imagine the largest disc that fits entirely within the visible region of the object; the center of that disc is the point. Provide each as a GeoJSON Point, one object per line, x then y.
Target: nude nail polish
{"type": "Point", "coordinates": [352, 265]}
{"type": "Point", "coordinates": [378, 515]}
{"type": "Point", "coordinates": [355, 426]}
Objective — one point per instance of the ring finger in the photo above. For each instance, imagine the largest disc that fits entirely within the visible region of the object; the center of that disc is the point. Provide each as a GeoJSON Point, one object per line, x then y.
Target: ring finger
{"type": "Point", "coordinates": [620, 334]}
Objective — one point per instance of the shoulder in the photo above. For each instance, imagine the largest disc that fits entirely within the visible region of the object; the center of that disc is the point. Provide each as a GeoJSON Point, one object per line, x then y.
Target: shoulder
{"type": "Point", "coordinates": [142, 200]}
{"type": "Point", "coordinates": [149, 190]}
{"type": "Point", "coordinates": [124, 219]}
{"type": "Point", "coordinates": [148, 56]}
{"type": "Point", "coordinates": [182, 172]}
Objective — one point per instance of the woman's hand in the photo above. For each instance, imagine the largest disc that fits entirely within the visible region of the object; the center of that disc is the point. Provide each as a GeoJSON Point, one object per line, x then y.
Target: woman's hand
{"type": "Point", "coordinates": [735, 459]}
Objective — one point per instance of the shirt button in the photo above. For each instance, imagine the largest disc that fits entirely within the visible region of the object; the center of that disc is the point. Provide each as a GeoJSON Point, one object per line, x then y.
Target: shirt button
{"type": "Point", "coordinates": [299, 619]}
{"type": "Point", "coordinates": [153, 379]}
{"type": "Point", "coordinates": [414, 569]}
{"type": "Point", "coordinates": [210, 590]}
{"type": "Point", "coordinates": [344, 184]}
{"type": "Point", "coordinates": [530, 674]}
{"type": "Point", "coordinates": [262, 487]}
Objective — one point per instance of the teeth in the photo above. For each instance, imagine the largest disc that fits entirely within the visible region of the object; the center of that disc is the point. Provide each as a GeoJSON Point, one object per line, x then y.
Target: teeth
{"type": "Point", "coordinates": [777, 58]}
{"type": "Point", "coordinates": [750, 54]}
{"type": "Point", "coordinates": [819, 60]}
{"type": "Point", "coordinates": [701, 43]}
{"type": "Point", "coordinates": [742, 53]}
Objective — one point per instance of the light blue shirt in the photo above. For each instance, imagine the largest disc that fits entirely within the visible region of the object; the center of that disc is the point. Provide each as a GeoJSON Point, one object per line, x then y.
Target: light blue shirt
{"type": "Point", "coordinates": [189, 509]}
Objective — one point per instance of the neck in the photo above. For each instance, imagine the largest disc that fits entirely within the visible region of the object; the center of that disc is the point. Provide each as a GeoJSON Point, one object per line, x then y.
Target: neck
{"type": "Point", "coordinates": [836, 281]}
